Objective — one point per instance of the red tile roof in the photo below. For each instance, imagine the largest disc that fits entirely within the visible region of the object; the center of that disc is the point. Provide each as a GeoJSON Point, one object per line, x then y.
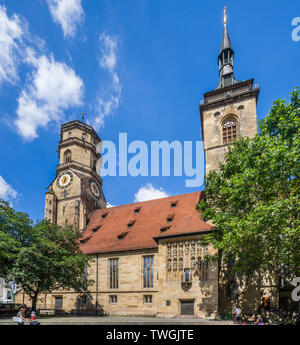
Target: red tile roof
{"type": "Point", "coordinates": [147, 224]}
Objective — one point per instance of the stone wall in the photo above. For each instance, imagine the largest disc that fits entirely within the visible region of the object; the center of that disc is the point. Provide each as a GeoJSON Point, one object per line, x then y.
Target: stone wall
{"type": "Point", "coordinates": [167, 284]}
{"type": "Point", "coordinates": [243, 110]}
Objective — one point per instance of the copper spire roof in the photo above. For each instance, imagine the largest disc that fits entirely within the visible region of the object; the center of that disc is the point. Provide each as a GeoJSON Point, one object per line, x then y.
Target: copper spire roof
{"type": "Point", "coordinates": [125, 229]}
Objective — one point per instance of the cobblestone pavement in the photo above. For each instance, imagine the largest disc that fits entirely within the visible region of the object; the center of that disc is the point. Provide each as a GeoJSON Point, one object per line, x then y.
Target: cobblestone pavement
{"type": "Point", "coordinates": [119, 320]}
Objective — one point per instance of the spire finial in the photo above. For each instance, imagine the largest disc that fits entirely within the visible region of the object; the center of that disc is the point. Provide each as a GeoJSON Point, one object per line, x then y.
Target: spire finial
{"type": "Point", "coordinates": [82, 117]}
{"type": "Point", "coordinates": [225, 16]}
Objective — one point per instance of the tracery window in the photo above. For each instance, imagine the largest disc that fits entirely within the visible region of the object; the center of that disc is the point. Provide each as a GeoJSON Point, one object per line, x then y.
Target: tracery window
{"type": "Point", "coordinates": [113, 273]}
{"type": "Point", "coordinates": [229, 130]}
{"type": "Point", "coordinates": [203, 268]}
{"type": "Point", "coordinates": [175, 264]}
{"type": "Point", "coordinates": [148, 271]}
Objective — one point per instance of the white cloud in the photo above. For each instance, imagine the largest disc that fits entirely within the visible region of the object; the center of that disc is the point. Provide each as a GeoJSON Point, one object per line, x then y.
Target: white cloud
{"type": "Point", "coordinates": [53, 87]}
{"type": "Point", "coordinates": [148, 192]}
{"type": "Point", "coordinates": [10, 36]}
{"type": "Point", "coordinates": [7, 193]}
{"type": "Point", "coordinates": [108, 205]}
{"type": "Point", "coordinates": [67, 13]}
{"type": "Point", "coordinates": [108, 101]}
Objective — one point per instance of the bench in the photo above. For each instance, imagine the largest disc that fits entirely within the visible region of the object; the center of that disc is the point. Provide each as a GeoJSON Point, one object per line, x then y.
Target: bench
{"type": "Point", "coordinates": [47, 311]}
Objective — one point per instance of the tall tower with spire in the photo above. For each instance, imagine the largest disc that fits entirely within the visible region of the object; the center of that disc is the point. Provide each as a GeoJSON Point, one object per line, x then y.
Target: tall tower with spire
{"type": "Point", "coordinates": [229, 110]}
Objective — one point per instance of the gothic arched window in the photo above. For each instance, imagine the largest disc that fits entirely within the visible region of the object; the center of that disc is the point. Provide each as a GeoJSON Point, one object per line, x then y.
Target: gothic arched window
{"type": "Point", "coordinates": [229, 130]}
{"type": "Point", "coordinates": [67, 156]}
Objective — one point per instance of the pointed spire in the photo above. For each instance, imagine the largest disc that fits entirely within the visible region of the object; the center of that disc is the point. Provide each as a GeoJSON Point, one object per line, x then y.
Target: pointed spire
{"type": "Point", "coordinates": [225, 59]}
{"type": "Point", "coordinates": [226, 43]}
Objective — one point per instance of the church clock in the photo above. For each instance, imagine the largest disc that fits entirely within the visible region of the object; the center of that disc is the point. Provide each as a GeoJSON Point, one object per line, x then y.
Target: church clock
{"type": "Point", "coordinates": [65, 179]}
{"type": "Point", "coordinates": [94, 188]}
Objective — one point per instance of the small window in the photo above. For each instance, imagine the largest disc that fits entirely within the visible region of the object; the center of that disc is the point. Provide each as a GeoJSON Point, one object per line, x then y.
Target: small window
{"type": "Point", "coordinates": [147, 299]}
{"type": "Point", "coordinates": [104, 215]}
{"type": "Point", "coordinates": [131, 223]}
{"type": "Point", "coordinates": [170, 218]}
{"type": "Point", "coordinates": [122, 235]}
{"type": "Point", "coordinates": [64, 208]}
{"type": "Point", "coordinates": [70, 135]}
{"type": "Point", "coordinates": [83, 241]}
{"type": "Point", "coordinates": [165, 228]}
{"type": "Point", "coordinates": [187, 275]}
{"type": "Point", "coordinates": [168, 303]}
{"type": "Point", "coordinates": [113, 299]}
{"type": "Point", "coordinates": [9, 295]}
{"type": "Point", "coordinates": [137, 209]}
{"type": "Point", "coordinates": [174, 204]}
{"type": "Point", "coordinates": [96, 228]}
{"type": "Point", "coordinates": [66, 221]}
{"type": "Point", "coordinates": [67, 156]}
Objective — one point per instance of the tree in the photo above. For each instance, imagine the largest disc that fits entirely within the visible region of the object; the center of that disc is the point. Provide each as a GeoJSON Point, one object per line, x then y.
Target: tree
{"type": "Point", "coordinates": [253, 200]}
{"type": "Point", "coordinates": [14, 227]}
{"type": "Point", "coordinates": [42, 257]}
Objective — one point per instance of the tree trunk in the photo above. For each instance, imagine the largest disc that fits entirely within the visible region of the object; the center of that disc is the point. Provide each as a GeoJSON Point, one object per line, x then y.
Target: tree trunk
{"type": "Point", "coordinates": [34, 301]}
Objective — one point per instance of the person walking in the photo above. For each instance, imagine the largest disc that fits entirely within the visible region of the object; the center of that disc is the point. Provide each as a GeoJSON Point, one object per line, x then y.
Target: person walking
{"type": "Point", "coordinates": [238, 314]}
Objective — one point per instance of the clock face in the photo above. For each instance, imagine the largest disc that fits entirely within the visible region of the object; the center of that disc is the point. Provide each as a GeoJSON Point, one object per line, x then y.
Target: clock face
{"type": "Point", "coordinates": [95, 189]}
{"type": "Point", "coordinates": [65, 179]}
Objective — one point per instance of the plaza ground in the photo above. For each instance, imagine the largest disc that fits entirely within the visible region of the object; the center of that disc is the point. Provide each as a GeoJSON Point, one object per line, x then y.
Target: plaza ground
{"type": "Point", "coordinates": [119, 320]}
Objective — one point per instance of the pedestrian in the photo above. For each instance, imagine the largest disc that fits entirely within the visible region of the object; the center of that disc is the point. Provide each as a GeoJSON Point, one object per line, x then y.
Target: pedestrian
{"type": "Point", "coordinates": [21, 316]}
{"type": "Point", "coordinates": [33, 321]}
{"type": "Point", "coordinates": [238, 314]}
{"type": "Point", "coordinates": [259, 320]}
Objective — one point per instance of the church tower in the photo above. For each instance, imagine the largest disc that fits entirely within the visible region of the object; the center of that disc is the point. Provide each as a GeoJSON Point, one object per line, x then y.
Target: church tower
{"type": "Point", "coordinates": [77, 188]}
{"type": "Point", "coordinates": [229, 110]}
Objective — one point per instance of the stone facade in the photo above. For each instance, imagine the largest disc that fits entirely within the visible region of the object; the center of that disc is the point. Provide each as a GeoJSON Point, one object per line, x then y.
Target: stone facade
{"type": "Point", "coordinates": [77, 189]}
{"type": "Point", "coordinates": [167, 289]}
{"type": "Point", "coordinates": [174, 276]}
{"type": "Point", "coordinates": [175, 257]}
{"type": "Point", "coordinates": [238, 102]}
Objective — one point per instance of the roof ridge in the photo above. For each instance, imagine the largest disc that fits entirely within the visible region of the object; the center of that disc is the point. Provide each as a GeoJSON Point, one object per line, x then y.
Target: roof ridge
{"type": "Point", "coordinates": [148, 201]}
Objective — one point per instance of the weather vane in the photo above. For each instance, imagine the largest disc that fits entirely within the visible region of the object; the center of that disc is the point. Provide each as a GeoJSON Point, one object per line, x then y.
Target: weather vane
{"type": "Point", "coordinates": [225, 17]}
{"type": "Point", "coordinates": [82, 118]}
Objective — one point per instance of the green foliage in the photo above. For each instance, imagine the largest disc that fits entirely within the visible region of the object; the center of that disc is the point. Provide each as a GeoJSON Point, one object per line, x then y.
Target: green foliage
{"type": "Point", "coordinates": [41, 257]}
{"type": "Point", "coordinates": [13, 235]}
{"type": "Point", "coordinates": [253, 199]}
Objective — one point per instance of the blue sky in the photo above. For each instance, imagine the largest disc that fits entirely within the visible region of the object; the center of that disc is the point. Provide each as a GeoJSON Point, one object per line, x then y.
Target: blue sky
{"type": "Point", "coordinates": [138, 66]}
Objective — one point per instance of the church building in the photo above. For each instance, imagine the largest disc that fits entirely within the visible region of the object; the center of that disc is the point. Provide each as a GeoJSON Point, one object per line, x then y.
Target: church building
{"type": "Point", "coordinates": [148, 256]}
